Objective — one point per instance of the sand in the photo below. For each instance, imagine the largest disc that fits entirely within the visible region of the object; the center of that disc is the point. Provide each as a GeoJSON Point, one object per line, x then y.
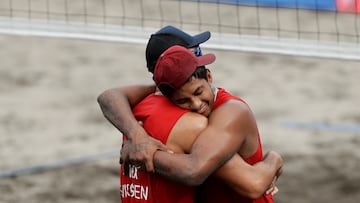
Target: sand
{"type": "Point", "coordinates": [49, 113]}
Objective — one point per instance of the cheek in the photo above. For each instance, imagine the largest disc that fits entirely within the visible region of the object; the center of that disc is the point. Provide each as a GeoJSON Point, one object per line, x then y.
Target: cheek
{"type": "Point", "coordinates": [209, 97]}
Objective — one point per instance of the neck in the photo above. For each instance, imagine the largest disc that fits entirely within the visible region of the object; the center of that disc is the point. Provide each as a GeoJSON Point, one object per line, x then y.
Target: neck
{"type": "Point", "coordinates": [214, 90]}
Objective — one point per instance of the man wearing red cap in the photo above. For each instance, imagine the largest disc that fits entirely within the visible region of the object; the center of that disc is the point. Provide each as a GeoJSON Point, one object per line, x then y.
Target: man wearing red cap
{"type": "Point", "coordinates": [170, 85]}
{"type": "Point", "coordinates": [183, 78]}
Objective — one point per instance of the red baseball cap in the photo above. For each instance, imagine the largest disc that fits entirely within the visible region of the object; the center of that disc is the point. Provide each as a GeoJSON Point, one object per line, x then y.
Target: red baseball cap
{"type": "Point", "coordinates": [177, 64]}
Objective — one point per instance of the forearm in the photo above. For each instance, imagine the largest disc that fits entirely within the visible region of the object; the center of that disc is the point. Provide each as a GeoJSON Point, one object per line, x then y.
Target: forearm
{"type": "Point", "coordinates": [258, 181]}
{"type": "Point", "coordinates": [116, 106]}
{"type": "Point", "coordinates": [249, 180]}
{"type": "Point", "coordinates": [189, 169]}
{"type": "Point", "coordinates": [180, 168]}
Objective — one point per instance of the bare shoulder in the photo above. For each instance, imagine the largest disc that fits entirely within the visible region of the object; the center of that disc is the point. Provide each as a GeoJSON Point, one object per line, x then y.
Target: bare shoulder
{"type": "Point", "coordinates": [186, 130]}
{"type": "Point", "coordinates": [232, 111]}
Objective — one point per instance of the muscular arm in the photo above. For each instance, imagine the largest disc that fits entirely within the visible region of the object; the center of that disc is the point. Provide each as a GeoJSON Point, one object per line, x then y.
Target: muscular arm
{"type": "Point", "coordinates": [248, 180]}
{"type": "Point", "coordinates": [216, 144]}
{"type": "Point", "coordinates": [116, 106]}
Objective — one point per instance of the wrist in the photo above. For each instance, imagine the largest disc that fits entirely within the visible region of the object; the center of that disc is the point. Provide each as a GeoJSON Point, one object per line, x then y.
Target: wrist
{"type": "Point", "coordinates": [136, 132]}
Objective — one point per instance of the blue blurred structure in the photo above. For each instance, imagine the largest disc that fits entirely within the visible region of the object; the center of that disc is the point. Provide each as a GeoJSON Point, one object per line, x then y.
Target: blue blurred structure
{"type": "Point", "coordinates": [329, 5]}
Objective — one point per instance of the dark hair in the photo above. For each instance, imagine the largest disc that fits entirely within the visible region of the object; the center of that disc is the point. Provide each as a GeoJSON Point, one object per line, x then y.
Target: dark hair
{"type": "Point", "coordinates": [166, 90]}
{"type": "Point", "coordinates": [200, 72]}
{"type": "Point", "coordinates": [157, 44]}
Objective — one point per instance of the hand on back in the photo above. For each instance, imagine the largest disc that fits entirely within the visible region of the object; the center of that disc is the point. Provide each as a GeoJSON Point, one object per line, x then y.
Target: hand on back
{"type": "Point", "coordinates": [140, 152]}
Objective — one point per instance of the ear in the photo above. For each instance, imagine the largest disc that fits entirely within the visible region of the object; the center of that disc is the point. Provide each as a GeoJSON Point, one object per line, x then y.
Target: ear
{"type": "Point", "coordinates": [209, 76]}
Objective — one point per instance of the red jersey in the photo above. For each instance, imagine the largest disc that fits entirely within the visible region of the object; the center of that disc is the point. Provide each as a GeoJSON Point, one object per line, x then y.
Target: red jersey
{"type": "Point", "coordinates": [214, 190]}
{"type": "Point", "coordinates": [159, 116]}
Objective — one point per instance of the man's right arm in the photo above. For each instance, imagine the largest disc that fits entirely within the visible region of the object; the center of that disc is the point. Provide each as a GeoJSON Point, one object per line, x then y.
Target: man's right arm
{"type": "Point", "coordinates": [116, 106]}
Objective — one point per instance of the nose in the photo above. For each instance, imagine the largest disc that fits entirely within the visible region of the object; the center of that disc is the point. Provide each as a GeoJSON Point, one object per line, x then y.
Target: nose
{"type": "Point", "coordinates": [195, 104]}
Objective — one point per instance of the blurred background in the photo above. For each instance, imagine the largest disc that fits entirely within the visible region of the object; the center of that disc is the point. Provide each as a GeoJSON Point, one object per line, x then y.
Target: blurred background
{"type": "Point", "coordinates": [295, 62]}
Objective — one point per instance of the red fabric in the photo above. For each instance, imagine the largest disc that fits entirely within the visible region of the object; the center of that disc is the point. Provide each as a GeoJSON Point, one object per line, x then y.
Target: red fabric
{"type": "Point", "coordinates": [158, 116]}
{"type": "Point", "coordinates": [177, 64]}
{"type": "Point", "coordinates": [219, 191]}
{"type": "Point", "coordinates": [352, 6]}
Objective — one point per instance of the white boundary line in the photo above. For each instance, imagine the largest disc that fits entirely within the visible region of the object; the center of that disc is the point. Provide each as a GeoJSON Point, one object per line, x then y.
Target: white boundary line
{"type": "Point", "coordinates": [141, 35]}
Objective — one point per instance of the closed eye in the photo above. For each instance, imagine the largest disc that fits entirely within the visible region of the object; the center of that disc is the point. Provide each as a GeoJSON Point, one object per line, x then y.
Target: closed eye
{"type": "Point", "coordinates": [198, 91]}
{"type": "Point", "coordinates": [181, 101]}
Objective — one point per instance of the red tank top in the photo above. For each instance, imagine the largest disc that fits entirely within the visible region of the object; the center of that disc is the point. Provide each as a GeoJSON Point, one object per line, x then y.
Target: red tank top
{"type": "Point", "coordinates": [159, 116]}
{"type": "Point", "coordinates": [219, 191]}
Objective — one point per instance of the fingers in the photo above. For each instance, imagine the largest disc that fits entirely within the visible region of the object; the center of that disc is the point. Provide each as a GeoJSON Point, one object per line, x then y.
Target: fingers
{"type": "Point", "coordinates": [126, 166]}
{"type": "Point", "coordinates": [149, 159]}
{"type": "Point", "coordinates": [279, 172]}
{"type": "Point", "coordinates": [149, 166]}
{"type": "Point", "coordinates": [123, 153]}
{"type": "Point", "coordinates": [142, 152]}
{"type": "Point", "coordinates": [275, 191]}
{"type": "Point", "coordinates": [272, 190]}
{"type": "Point", "coordinates": [269, 191]}
{"type": "Point", "coordinates": [160, 146]}
{"type": "Point", "coordinates": [163, 147]}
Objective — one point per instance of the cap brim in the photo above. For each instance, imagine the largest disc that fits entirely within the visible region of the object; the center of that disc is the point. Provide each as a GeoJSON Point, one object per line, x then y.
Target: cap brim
{"type": "Point", "coordinates": [206, 59]}
{"type": "Point", "coordinates": [200, 38]}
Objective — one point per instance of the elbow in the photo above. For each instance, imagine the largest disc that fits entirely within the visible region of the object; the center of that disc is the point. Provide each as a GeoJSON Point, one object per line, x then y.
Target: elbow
{"type": "Point", "coordinates": [105, 100]}
{"type": "Point", "coordinates": [200, 170]}
{"type": "Point", "coordinates": [189, 173]}
{"type": "Point", "coordinates": [102, 98]}
{"type": "Point", "coordinates": [196, 175]}
{"type": "Point", "coordinates": [186, 175]}
{"type": "Point", "coordinates": [196, 179]}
